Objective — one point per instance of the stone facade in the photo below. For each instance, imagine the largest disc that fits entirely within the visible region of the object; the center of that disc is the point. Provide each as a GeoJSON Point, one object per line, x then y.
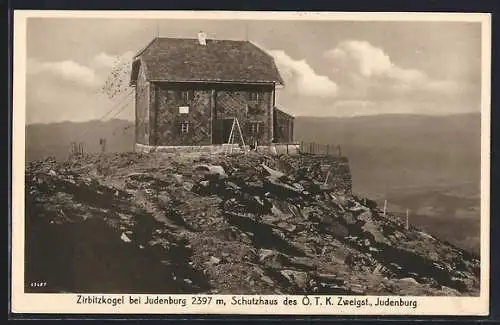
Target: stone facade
{"type": "Point", "coordinates": [197, 114]}
{"type": "Point", "coordinates": [252, 107]}
{"type": "Point", "coordinates": [142, 100]}
{"type": "Point", "coordinates": [169, 119]}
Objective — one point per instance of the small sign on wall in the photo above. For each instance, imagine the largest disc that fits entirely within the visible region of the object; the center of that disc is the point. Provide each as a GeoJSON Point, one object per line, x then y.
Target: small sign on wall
{"type": "Point", "coordinates": [183, 109]}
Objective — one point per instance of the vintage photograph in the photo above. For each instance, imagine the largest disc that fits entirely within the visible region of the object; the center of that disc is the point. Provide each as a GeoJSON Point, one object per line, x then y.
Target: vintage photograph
{"type": "Point", "coordinates": [253, 156]}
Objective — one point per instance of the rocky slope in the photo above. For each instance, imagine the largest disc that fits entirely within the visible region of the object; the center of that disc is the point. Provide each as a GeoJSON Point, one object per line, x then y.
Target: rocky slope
{"type": "Point", "coordinates": [235, 224]}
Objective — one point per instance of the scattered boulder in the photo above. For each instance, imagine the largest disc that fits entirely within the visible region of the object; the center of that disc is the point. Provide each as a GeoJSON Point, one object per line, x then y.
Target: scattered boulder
{"type": "Point", "coordinates": [253, 214]}
{"type": "Point", "coordinates": [273, 173]}
{"type": "Point", "coordinates": [213, 170]}
{"type": "Point", "coordinates": [272, 258]}
{"type": "Point", "coordinates": [213, 260]}
{"type": "Point", "coordinates": [296, 278]}
{"type": "Point", "coordinates": [409, 280]}
{"type": "Point", "coordinates": [125, 238]}
{"type": "Point", "coordinates": [178, 179]}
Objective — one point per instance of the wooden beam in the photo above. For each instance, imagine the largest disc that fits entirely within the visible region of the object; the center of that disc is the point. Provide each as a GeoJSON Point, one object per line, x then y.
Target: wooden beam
{"type": "Point", "coordinates": [213, 114]}
{"type": "Point", "coordinates": [271, 117]}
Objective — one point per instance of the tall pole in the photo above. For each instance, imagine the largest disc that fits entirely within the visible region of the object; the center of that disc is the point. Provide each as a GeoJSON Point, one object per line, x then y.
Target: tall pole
{"type": "Point", "coordinates": [385, 207]}
{"type": "Point", "coordinates": [407, 219]}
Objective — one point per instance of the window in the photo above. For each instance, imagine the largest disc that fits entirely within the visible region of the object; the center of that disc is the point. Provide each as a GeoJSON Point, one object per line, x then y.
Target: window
{"type": "Point", "coordinates": [254, 127]}
{"type": "Point", "coordinates": [185, 96]}
{"type": "Point", "coordinates": [184, 127]}
{"type": "Point", "coordinates": [254, 95]}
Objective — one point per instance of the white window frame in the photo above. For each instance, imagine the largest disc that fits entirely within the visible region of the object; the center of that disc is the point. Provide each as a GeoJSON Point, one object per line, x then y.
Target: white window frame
{"type": "Point", "coordinates": [184, 127]}
{"type": "Point", "coordinates": [255, 127]}
{"type": "Point", "coordinates": [185, 96]}
{"type": "Point", "coordinates": [254, 96]}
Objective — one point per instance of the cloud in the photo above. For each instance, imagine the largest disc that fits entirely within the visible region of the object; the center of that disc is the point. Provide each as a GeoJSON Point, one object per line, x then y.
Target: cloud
{"type": "Point", "coordinates": [103, 73]}
{"type": "Point", "coordinates": [104, 60]}
{"type": "Point", "coordinates": [370, 61]}
{"type": "Point", "coordinates": [68, 90]}
{"type": "Point", "coordinates": [301, 77]}
{"type": "Point", "coordinates": [362, 56]}
{"type": "Point", "coordinates": [363, 70]}
{"type": "Point", "coordinates": [68, 70]}
{"type": "Point", "coordinates": [93, 74]}
{"type": "Point", "coordinates": [48, 100]}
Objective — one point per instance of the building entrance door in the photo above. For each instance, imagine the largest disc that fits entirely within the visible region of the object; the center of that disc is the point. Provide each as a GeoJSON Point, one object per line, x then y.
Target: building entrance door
{"type": "Point", "coordinates": [221, 130]}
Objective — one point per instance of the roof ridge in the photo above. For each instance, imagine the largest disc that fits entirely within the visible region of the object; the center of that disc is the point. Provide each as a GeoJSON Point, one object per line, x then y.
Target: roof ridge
{"type": "Point", "coordinates": [140, 52]}
{"type": "Point", "coordinates": [207, 39]}
{"type": "Point", "coordinates": [249, 62]}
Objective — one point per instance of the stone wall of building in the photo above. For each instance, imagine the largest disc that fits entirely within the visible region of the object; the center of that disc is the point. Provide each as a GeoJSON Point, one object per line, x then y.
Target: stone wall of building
{"type": "Point", "coordinates": [142, 97]}
{"type": "Point", "coordinates": [196, 114]}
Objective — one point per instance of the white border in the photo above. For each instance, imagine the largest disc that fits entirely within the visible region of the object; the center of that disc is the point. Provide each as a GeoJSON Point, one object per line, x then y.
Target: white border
{"type": "Point", "coordinates": [66, 303]}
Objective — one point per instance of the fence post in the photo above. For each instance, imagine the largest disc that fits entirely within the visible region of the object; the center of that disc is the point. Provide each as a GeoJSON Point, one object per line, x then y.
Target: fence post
{"type": "Point", "coordinates": [385, 207]}
{"type": "Point", "coordinates": [407, 220]}
{"type": "Point", "coordinates": [102, 142]}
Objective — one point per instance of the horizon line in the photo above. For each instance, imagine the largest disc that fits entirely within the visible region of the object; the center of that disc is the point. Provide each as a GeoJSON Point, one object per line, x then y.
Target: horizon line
{"type": "Point", "coordinates": [302, 116]}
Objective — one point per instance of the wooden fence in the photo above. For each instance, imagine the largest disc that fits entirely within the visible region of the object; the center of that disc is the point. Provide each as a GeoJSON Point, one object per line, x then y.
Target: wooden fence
{"type": "Point", "coordinates": [76, 149]}
{"type": "Point", "coordinates": [320, 149]}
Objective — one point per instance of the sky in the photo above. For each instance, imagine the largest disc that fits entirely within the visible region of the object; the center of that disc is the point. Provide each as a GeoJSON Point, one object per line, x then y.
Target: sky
{"type": "Point", "coordinates": [330, 68]}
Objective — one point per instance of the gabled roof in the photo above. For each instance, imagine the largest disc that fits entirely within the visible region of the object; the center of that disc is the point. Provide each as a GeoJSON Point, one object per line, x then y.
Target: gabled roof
{"type": "Point", "coordinates": [184, 60]}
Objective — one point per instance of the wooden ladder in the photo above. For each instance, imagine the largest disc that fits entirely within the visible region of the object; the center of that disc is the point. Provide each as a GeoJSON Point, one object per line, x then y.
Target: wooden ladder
{"type": "Point", "coordinates": [230, 142]}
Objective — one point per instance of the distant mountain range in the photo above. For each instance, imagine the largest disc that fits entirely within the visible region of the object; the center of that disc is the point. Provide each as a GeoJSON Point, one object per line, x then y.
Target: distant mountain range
{"type": "Point", "coordinates": [395, 151]}
{"type": "Point", "coordinates": [386, 152]}
{"type": "Point", "coordinates": [429, 165]}
{"type": "Point", "coordinates": [399, 158]}
{"type": "Point", "coordinates": [54, 139]}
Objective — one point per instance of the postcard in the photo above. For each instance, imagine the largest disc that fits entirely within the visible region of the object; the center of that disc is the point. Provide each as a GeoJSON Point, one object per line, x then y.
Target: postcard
{"type": "Point", "coordinates": [278, 163]}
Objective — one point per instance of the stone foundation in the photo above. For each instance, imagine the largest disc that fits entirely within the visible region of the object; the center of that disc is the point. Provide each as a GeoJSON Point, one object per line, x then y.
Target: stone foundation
{"type": "Point", "coordinates": [215, 149]}
{"type": "Point", "coordinates": [211, 149]}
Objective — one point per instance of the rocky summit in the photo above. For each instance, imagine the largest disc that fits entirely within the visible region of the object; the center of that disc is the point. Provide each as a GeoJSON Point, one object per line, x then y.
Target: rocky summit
{"type": "Point", "coordinates": [228, 224]}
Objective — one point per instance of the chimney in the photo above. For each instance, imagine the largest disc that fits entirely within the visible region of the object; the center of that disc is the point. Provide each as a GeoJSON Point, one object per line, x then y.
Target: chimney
{"type": "Point", "coordinates": [202, 38]}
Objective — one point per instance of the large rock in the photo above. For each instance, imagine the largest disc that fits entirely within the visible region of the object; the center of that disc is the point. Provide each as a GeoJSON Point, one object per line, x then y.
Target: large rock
{"type": "Point", "coordinates": [212, 170]}
{"type": "Point", "coordinates": [272, 258]}
{"type": "Point", "coordinates": [296, 278]}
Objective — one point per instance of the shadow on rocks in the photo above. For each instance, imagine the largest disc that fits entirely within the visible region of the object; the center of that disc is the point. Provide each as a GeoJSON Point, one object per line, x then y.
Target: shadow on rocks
{"type": "Point", "coordinates": [90, 257]}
